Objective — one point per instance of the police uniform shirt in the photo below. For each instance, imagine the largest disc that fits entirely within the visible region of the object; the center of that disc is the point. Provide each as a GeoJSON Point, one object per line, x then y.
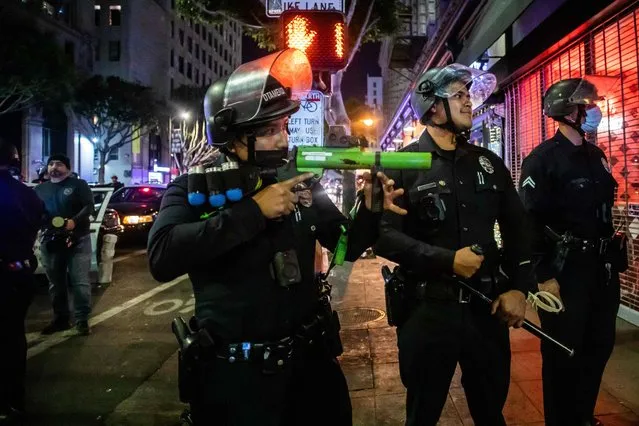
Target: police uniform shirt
{"type": "Point", "coordinates": [474, 189]}
{"type": "Point", "coordinates": [229, 258]}
{"type": "Point", "coordinates": [20, 218]}
{"type": "Point", "coordinates": [569, 188]}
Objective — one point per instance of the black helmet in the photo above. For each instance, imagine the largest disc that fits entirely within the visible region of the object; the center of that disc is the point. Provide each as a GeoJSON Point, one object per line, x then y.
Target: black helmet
{"type": "Point", "coordinates": [434, 84]}
{"type": "Point", "coordinates": [256, 93]}
{"type": "Point", "coordinates": [562, 97]}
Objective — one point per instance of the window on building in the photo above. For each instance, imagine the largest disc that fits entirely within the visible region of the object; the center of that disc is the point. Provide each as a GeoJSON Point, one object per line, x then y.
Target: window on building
{"type": "Point", "coordinates": [203, 57]}
{"type": "Point", "coordinates": [197, 51]}
{"type": "Point", "coordinates": [96, 13]}
{"type": "Point", "coordinates": [226, 55]}
{"type": "Point", "coordinates": [172, 4]}
{"type": "Point", "coordinates": [215, 68]}
{"type": "Point", "coordinates": [215, 45]}
{"type": "Point", "coordinates": [374, 84]}
{"type": "Point", "coordinates": [114, 51]}
{"type": "Point", "coordinates": [231, 39]}
{"type": "Point", "coordinates": [210, 38]}
{"type": "Point", "coordinates": [191, 23]}
{"type": "Point", "coordinates": [181, 64]}
{"type": "Point", "coordinates": [46, 142]}
{"type": "Point", "coordinates": [374, 92]}
{"type": "Point", "coordinates": [171, 86]}
{"type": "Point", "coordinates": [114, 155]}
{"type": "Point", "coordinates": [197, 76]}
{"type": "Point", "coordinates": [171, 60]}
{"type": "Point", "coordinates": [210, 62]}
{"type": "Point", "coordinates": [115, 15]}
{"type": "Point", "coordinates": [172, 29]}
{"type": "Point", "coordinates": [189, 70]}
{"type": "Point", "coordinates": [189, 44]}
{"type": "Point", "coordinates": [197, 28]}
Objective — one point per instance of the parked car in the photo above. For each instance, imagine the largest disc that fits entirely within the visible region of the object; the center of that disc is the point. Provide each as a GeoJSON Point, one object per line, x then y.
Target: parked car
{"type": "Point", "coordinates": [133, 209]}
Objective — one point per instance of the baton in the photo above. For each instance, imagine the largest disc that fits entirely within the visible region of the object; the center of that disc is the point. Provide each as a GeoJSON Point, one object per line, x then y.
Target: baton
{"type": "Point", "coordinates": [527, 325]}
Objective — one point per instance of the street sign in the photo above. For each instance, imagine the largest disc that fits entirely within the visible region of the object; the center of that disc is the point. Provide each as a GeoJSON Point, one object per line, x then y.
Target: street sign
{"type": "Point", "coordinates": [306, 126]}
{"type": "Point", "coordinates": [274, 8]}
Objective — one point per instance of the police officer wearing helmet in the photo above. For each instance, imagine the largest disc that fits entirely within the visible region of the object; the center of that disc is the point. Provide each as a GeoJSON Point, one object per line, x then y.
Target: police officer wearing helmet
{"type": "Point", "coordinates": [451, 208]}
{"type": "Point", "coordinates": [20, 216]}
{"type": "Point", "coordinates": [567, 188]}
{"type": "Point", "coordinates": [267, 339]}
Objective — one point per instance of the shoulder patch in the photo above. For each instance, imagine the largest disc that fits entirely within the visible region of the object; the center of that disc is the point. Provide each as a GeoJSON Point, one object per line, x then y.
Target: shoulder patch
{"type": "Point", "coordinates": [606, 165]}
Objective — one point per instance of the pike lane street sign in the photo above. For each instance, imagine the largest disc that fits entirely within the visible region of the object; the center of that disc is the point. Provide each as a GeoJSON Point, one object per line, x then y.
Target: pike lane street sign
{"type": "Point", "coordinates": [274, 8]}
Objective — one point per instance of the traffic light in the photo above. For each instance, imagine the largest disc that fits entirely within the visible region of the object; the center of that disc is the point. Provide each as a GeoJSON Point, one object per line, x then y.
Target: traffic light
{"type": "Point", "coordinates": [322, 35]}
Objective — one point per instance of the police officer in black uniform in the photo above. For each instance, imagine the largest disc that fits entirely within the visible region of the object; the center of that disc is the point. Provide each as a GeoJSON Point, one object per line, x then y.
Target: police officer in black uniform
{"type": "Point", "coordinates": [267, 343]}
{"type": "Point", "coordinates": [452, 207]}
{"type": "Point", "coordinates": [20, 218]}
{"type": "Point", "coordinates": [567, 187]}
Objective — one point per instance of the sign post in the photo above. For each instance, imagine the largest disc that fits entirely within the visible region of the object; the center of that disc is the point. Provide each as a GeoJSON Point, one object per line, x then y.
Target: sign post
{"type": "Point", "coordinates": [274, 8]}
{"type": "Point", "coordinates": [306, 126]}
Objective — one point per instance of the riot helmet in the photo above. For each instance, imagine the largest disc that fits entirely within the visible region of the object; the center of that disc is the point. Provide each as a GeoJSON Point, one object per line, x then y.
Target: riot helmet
{"type": "Point", "coordinates": [437, 84]}
{"type": "Point", "coordinates": [581, 94]}
{"type": "Point", "coordinates": [254, 95]}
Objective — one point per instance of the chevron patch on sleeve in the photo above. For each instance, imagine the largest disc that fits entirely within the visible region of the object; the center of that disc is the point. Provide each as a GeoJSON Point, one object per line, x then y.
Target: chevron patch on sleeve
{"type": "Point", "coordinates": [528, 182]}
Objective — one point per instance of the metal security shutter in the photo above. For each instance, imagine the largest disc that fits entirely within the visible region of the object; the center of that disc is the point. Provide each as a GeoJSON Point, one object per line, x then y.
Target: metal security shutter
{"type": "Point", "coordinates": [610, 49]}
{"type": "Point", "coordinates": [615, 52]}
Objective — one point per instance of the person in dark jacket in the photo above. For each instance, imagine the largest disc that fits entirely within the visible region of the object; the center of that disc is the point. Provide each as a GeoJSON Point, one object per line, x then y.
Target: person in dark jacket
{"type": "Point", "coordinates": [71, 199]}
{"type": "Point", "coordinates": [269, 356]}
{"type": "Point", "coordinates": [451, 208]}
{"type": "Point", "coordinates": [567, 187]}
{"type": "Point", "coordinates": [20, 218]}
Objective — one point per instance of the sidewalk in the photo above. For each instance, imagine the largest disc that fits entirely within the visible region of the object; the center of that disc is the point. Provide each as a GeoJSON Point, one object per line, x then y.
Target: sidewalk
{"type": "Point", "coordinates": [371, 367]}
{"type": "Point", "coordinates": [370, 364]}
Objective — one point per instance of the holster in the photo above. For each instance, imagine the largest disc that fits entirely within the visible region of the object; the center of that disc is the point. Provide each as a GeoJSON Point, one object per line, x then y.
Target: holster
{"type": "Point", "coordinates": [616, 252]}
{"type": "Point", "coordinates": [398, 300]}
{"type": "Point", "coordinates": [189, 356]}
{"type": "Point", "coordinates": [331, 328]}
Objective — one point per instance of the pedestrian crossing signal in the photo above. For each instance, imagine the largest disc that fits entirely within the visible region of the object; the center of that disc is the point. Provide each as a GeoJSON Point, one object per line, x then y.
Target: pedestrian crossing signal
{"type": "Point", "coordinates": [321, 35]}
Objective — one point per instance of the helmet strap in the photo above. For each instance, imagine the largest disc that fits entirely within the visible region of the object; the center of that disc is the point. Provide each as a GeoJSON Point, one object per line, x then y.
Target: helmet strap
{"type": "Point", "coordinates": [581, 113]}
{"type": "Point", "coordinates": [449, 124]}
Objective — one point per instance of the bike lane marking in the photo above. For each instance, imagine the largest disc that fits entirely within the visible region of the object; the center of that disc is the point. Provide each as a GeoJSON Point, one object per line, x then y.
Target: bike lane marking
{"type": "Point", "coordinates": [61, 337]}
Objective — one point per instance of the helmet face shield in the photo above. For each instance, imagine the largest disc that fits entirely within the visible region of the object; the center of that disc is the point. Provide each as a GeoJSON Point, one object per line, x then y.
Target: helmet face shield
{"type": "Point", "coordinates": [439, 83]}
{"type": "Point", "coordinates": [480, 84]}
{"type": "Point", "coordinates": [255, 85]}
{"type": "Point", "coordinates": [593, 88]}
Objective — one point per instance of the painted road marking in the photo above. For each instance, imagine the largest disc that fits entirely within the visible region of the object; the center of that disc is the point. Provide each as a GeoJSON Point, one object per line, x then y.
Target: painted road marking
{"type": "Point", "coordinates": [165, 306]}
{"type": "Point", "coordinates": [61, 337]}
{"type": "Point", "coordinates": [129, 256]}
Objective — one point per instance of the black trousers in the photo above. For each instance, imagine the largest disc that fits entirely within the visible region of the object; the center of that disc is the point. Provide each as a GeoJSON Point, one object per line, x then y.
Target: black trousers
{"type": "Point", "coordinates": [571, 385]}
{"type": "Point", "coordinates": [16, 293]}
{"type": "Point", "coordinates": [437, 336]}
{"type": "Point", "coordinates": [311, 391]}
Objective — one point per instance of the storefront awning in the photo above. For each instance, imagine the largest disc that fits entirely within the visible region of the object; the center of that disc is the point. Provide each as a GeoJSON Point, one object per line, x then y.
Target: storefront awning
{"type": "Point", "coordinates": [498, 16]}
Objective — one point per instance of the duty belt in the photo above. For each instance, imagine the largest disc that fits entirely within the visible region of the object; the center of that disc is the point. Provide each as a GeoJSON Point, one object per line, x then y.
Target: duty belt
{"type": "Point", "coordinates": [441, 290]}
{"type": "Point", "coordinates": [598, 246]}
{"type": "Point", "coordinates": [16, 266]}
{"type": "Point", "coordinates": [273, 354]}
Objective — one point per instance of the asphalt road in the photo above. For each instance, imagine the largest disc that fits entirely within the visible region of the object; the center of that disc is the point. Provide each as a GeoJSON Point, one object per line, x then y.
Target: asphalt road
{"type": "Point", "coordinates": [75, 380]}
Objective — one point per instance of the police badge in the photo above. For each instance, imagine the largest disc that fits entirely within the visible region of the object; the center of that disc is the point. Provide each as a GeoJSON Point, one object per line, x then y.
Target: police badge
{"type": "Point", "coordinates": [486, 165]}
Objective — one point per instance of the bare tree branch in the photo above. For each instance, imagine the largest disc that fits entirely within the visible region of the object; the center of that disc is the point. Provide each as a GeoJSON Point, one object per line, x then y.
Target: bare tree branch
{"type": "Point", "coordinates": [351, 12]}
{"type": "Point", "coordinates": [358, 42]}
{"type": "Point", "coordinates": [217, 13]}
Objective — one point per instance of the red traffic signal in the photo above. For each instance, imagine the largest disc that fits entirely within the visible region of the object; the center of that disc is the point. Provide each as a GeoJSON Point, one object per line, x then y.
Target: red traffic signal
{"type": "Point", "coordinates": [322, 35]}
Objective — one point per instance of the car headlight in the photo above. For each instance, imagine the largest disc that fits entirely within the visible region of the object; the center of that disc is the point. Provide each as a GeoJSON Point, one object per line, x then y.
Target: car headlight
{"type": "Point", "coordinates": [135, 220]}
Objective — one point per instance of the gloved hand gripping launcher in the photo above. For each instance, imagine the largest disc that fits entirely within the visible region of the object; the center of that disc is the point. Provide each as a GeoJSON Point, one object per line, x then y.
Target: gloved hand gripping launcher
{"type": "Point", "coordinates": [316, 160]}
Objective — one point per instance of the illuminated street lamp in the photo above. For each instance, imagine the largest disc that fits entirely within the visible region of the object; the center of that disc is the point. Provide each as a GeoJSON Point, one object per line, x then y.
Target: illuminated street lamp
{"type": "Point", "coordinates": [368, 122]}
{"type": "Point", "coordinates": [185, 115]}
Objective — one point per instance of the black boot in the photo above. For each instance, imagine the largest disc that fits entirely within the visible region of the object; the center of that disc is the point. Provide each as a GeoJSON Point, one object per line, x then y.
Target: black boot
{"type": "Point", "coordinates": [56, 325]}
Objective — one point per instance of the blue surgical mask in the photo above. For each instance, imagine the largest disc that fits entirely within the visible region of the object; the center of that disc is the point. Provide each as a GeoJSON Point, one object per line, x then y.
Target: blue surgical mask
{"type": "Point", "coordinates": [593, 118]}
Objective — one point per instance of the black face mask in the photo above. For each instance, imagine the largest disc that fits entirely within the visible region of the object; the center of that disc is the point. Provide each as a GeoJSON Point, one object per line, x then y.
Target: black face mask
{"type": "Point", "coordinates": [272, 159]}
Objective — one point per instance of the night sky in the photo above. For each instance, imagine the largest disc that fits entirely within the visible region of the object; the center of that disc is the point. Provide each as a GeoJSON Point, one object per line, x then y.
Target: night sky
{"type": "Point", "coordinates": [354, 83]}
